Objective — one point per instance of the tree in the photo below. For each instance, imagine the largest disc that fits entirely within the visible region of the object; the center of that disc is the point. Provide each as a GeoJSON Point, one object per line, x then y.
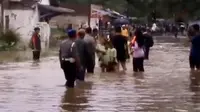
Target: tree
{"type": "Point", "coordinates": [143, 8]}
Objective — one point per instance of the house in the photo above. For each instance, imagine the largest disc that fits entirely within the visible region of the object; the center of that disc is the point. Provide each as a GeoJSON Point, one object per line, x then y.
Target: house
{"type": "Point", "coordinates": [78, 18]}
{"type": "Point", "coordinates": [92, 15]}
{"type": "Point", "coordinates": [23, 15]}
{"type": "Point", "coordinates": [84, 15]}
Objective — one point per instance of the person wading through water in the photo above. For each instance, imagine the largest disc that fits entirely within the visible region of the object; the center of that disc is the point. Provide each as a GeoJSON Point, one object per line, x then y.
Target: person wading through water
{"type": "Point", "coordinates": [194, 57]}
{"type": "Point", "coordinates": [69, 58]}
{"type": "Point", "coordinates": [83, 53]}
{"type": "Point", "coordinates": [120, 43]}
{"type": "Point", "coordinates": [35, 44]}
{"type": "Point", "coordinates": [138, 52]}
{"type": "Point", "coordinates": [125, 33]}
{"type": "Point", "coordinates": [91, 47]}
{"type": "Point", "coordinates": [148, 43]}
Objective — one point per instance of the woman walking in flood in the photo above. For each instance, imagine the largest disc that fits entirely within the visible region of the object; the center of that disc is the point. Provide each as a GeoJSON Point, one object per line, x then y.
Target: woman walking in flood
{"type": "Point", "coordinates": [138, 52]}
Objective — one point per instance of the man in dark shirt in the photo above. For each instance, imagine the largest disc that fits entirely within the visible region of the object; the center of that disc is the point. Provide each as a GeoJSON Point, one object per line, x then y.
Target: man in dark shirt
{"type": "Point", "coordinates": [195, 49]}
{"type": "Point", "coordinates": [120, 42]}
{"type": "Point", "coordinates": [69, 58]}
{"type": "Point", "coordinates": [91, 46]}
{"type": "Point", "coordinates": [148, 43]}
{"type": "Point", "coordinates": [36, 44]}
{"type": "Point", "coordinates": [83, 53]}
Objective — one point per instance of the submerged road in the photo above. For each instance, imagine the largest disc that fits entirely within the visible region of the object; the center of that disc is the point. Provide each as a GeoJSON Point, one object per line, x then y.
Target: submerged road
{"type": "Point", "coordinates": [166, 86]}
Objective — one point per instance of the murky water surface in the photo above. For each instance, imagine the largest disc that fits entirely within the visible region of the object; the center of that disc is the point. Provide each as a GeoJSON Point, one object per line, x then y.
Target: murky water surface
{"type": "Point", "coordinates": [166, 86]}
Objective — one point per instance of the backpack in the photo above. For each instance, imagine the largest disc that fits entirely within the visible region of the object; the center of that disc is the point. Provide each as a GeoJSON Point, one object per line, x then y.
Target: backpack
{"type": "Point", "coordinates": [151, 43]}
{"type": "Point", "coordinates": [149, 40]}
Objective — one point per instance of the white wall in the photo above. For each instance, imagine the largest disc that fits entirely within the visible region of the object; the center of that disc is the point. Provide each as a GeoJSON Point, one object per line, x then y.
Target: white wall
{"type": "Point", "coordinates": [64, 20]}
{"type": "Point", "coordinates": [23, 21]}
{"type": "Point", "coordinates": [44, 2]}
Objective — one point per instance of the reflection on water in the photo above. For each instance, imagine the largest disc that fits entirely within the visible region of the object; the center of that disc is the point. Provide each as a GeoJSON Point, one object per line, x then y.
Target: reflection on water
{"type": "Point", "coordinates": [18, 56]}
{"type": "Point", "coordinates": [35, 63]}
{"type": "Point", "coordinates": [195, 86]}
{"type": "Point", "coordinates": [166, 86]}
{"type": "Point", "coordinates": [75, 100]}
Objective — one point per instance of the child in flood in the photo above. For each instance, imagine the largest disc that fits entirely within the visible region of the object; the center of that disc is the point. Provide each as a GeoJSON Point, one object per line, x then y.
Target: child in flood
{"type": "Point", "coordinates": [101, 51]}
{"type": "Point", "coordinates": [107, 56]}
{"type": "Point", "coordinates": [138, 52]}
{"type": "Point", "coordinates": [112, 54]}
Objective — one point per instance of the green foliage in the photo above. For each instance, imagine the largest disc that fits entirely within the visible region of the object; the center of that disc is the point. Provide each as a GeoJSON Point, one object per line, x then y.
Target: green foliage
{"type": "Point", "coordinates": [141, 8]}
{"type": "Point", "coordinates": [118, 5]}
{"type": "Point", "coordinates": [8, 39]}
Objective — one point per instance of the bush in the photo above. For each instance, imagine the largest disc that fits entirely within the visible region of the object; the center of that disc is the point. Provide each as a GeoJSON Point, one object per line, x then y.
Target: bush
{"type": "Point", "coordinates": [8, 39]}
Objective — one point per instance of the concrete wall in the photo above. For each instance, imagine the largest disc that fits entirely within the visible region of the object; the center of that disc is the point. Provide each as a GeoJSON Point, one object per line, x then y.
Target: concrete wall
{"type": "Point", "coordinates": [64, 20]}
{"type": "Point", "coordinates": [23, 21]}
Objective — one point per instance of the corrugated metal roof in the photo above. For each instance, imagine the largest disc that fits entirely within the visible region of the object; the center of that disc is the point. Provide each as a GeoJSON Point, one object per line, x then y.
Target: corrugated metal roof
{"type": "Point", "coordinates": [55, 9]}
{"type": "Point", "coordinates": [102, 12]}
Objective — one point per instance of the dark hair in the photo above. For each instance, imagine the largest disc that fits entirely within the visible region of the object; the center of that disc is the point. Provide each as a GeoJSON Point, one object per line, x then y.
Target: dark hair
{"type": "Point", "coordinates": [81, 34]}
{"type": "Point", "coordinates": [118, 29]}
{"type": "Point", "coordinates": [195, 27]}
{"type": "Point", "coordinates": [88, 30]}
{"type": "Point", "coordinates": [36, 28]}
{"type": "Point", "coordinates": [95, 30]}
{"type": "Point", "coordinates": [72, 33]}
{"type": "Point", "coordinates": [139, 37]}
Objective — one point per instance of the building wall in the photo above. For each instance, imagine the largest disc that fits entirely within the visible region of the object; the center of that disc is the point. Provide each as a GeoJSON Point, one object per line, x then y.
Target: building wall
{"type": "Point", "coordinates": [94, 20]}
{"type": "Point", "coordinates": [23, 21]}
{"type": "Point", "coordinates": [63, 20]}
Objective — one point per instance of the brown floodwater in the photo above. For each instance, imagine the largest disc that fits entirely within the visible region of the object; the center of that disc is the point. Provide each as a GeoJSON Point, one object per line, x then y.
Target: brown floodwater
{"type": "Point", "coordinates": [166, 86]}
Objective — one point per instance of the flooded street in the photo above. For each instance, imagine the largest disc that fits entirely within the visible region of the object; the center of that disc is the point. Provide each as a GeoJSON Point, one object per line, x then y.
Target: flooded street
{"type": "Point", "coordinates": [166, 86]}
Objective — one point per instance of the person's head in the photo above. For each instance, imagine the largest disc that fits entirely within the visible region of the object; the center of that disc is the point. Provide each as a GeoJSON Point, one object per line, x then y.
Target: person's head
{"type": "Point", "coordinates": [110, 45]}
{"type": "Point", "coordinates": [72, 34]}
{"type": "Point", "coordinates": [95, 31]}
{"type": "Point", "coordinates": [123, 27]}
{"type": "Point", "coordinates": [69, 26]}
{"type": "Point", "coordinates": [118, 30]}
{"type": "Point", "coordinates": [139, 37]}
{"type": "Point", "coordinates": [88, 30]}
{"type": "Point", "coordinates": [195, 28]}
{"type": "Point", "coordinates": [146, 31]}
{"type": "Point", "coordinates": [138, 33]}
{"type": "Point", "coordinates": [102, 40]}
{"type": "Point", "coordinates": [37, 30]}
{"type": "Point", "coordinates": [81, 33]}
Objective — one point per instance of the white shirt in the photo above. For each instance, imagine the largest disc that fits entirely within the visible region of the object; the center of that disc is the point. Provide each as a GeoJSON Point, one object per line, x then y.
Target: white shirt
{"type": "Point", "coordinates": [138, 51]}
{"type": "Point", "coordinates": [109, 56]}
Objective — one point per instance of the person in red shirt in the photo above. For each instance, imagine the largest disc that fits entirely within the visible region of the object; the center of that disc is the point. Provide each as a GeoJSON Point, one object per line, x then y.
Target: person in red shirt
{"type": "Point", "coordinates": [36, 44]}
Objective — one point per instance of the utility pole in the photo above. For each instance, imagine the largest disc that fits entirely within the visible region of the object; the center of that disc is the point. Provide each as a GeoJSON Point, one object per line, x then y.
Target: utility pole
{"type": "Point", "coordinates": [2, 14]}
{"type": "Point", "coordinates": [3, 4]}
{"type": "Point", "coordinates": [89, 11]}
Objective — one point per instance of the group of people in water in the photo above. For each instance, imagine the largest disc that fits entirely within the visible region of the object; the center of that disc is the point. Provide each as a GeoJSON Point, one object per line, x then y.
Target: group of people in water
{"type": "Point", "coordinates": [78, 52]}
{"type": "Point", "coordinates": [79, 49]}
